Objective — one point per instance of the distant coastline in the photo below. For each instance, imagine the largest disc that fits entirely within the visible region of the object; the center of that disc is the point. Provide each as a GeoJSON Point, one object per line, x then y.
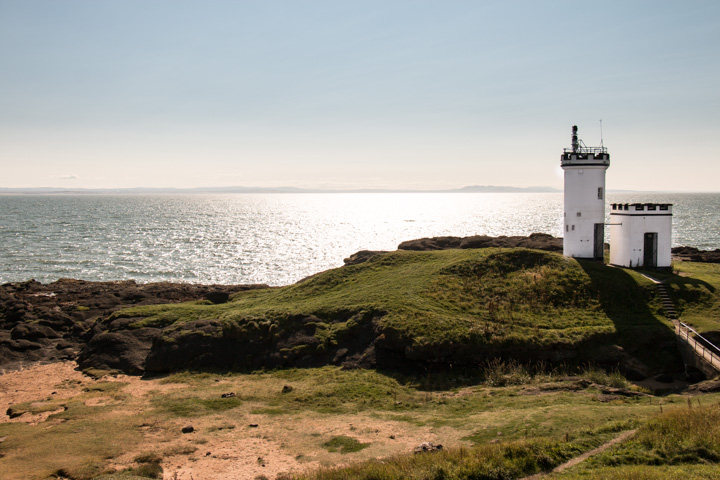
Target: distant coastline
{"type": "Point", "coordinates": [240, 189]}
{"type": "Point", "coordinates": [261, 190]}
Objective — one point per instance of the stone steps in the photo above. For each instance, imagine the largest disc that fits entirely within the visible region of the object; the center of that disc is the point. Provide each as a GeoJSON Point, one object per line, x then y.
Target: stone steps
{"type": "Point", "coordinates": [666, 301]}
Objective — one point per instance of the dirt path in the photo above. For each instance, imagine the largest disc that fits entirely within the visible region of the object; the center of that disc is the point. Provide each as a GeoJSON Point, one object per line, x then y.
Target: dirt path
{"type": "Point", "coordinates": [581, 458]}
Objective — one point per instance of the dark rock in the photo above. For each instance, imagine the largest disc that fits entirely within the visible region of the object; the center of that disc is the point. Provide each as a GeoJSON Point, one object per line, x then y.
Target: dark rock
{"type": "Point", "coordinates": [13, 412]}
{"type": "Point", "coordinates": [287, 389]}
{"type": "Point", "coordinates": [23, 345]}
{"type": "Point", "coordinates": [228, 395]}
{"type": "Point", "coordinates": [633, 375]}
{"type": "Point", "coordinates": [539, 241]}
{"type": "Point", "coordinates": [362, 256]}
{"type": "Point", "coordinates": [32, 332]}
{"type": "Point", "coordinates": [124, 350]}
{"type": "Point", "coordinates": [427, 447]}
{"type": "Point", "coordinates": [196, 344]}
{"type": "Point", "coordinates": [709, 386]}
{"type": "Point", "coordinates": [50, 322]}
{"type": "Point", "coordinates": [696, 255]}
{"type": "Point", "coordinates": [188, 429]}
{"type": "Point", "coordinates": [253, 425]}
{"type": "Point", "coordinates": [664, 378]}
{"type": "Point", "coordinates": [63, 344]}
{"type": "Point", "coordinates": [339, 356]}
{"type": "Point", "coordinates": [218, 297]}
{"type": "Point", "coordinates": [613, 391]}
{"type": "Point", "coordinates": [693, 375]}
{"type": "Point", "coordinates": [435, 243]}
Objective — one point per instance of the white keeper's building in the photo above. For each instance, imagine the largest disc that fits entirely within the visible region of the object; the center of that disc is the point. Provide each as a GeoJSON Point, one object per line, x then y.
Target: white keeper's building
{"type": "Point", "coordinates": [641, 234]}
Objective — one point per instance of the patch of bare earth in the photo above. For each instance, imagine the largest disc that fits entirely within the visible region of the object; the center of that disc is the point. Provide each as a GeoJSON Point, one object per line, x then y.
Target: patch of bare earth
{"type": "Point", "coordinates": [238, 444]}
{"type": "Point", "coordinates": [56, 381]}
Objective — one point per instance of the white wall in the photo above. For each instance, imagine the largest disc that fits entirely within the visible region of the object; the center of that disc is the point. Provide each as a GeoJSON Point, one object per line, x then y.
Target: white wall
{"type": "Point", "coordinates": [627, 235]}
{"type": "Point", "coordinates": [583, 208]}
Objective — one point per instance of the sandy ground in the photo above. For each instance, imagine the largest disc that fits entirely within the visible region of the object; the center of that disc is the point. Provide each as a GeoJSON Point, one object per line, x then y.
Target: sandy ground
{"type": "Point", "coordinates": [255, 446]}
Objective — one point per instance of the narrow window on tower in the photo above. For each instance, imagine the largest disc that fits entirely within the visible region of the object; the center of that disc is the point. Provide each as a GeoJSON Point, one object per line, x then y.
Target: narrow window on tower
{"type": "Point", "coordinates": [600, 193]}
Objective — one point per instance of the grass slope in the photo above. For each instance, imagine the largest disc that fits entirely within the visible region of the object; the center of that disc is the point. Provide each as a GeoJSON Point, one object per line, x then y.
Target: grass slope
{"type": "Point", "coordinates": [451, 306]}
{"type": "Point", "coordinates": [696, 292]}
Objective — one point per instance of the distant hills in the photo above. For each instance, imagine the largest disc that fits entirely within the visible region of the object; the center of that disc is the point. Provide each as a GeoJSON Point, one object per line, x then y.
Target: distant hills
{"type": "Point", "coordinates": [239, 189]}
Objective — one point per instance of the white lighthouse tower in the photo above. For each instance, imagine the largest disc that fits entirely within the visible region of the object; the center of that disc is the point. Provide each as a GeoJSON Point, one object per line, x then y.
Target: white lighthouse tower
{"type": "Point", "coordinates": [584, 218]}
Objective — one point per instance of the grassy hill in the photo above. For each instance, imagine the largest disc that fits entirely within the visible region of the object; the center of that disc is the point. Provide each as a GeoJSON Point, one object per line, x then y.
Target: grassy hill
{"type": "Point", "coordinates": [449, 307]}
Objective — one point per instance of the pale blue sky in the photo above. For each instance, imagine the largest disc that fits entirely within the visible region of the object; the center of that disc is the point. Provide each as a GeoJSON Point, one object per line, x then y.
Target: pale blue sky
{"type": "Point", "coordinates": [354, 94]}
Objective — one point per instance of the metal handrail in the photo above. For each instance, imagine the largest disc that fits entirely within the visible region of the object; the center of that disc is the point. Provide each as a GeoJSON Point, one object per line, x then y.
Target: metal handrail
{"type": "Point", "coordinates": [584, 149]}
{"type": "Point", "coordinates": [683, 331]}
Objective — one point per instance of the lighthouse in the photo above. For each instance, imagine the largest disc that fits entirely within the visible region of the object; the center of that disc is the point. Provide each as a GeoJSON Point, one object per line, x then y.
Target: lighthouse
{"type": "Point", "coordinates": [584, 217]}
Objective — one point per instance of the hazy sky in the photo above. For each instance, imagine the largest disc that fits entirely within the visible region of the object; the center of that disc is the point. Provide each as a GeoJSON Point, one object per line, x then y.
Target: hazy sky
{"type": "Point", "coordinates": [340, 93]}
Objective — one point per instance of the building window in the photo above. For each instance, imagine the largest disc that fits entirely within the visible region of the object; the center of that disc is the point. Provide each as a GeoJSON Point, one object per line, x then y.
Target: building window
{"type": "Point", "coordinates": [639, 207]}
{"type": "Point", "coordinates": [600, 193]}
{"type": "Point", "coordinates": [567, 228]}
{"type": "Point", "coordinates": [663, 207]}
{"type": "Point", "coordinates": [579, 214]}
{"type": "Point", "coordinates": [573, 227]}
{"type": "Point", "coordinates": [651, 207]}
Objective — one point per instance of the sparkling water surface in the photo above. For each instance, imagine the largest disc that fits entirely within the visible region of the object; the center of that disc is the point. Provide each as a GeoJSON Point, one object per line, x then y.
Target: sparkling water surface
{"type": "Point", "coordinates": [272, 238]}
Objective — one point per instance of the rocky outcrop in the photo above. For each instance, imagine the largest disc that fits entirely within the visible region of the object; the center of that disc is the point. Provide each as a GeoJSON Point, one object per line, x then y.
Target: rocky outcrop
{"type": "Point", "coordinates": [693, 254]}
{"type": "Point", "coordinates": [52, 322]}
{"type": "Point", "coordinates": [203, 344]}
{"type": "Point", "coordinates": [539, 241]}
{"type": "Point", "coordinates": [362, 256]}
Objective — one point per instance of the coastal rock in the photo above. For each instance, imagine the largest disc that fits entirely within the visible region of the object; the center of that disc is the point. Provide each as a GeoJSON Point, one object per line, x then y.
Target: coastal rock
{"type": "Point", "coordinates": [218, 296]}
{"type": "Point", "coordinates": [125, 351]}
{"type": "Point", "coordinates": [362, 256]}
{"type": "Point", "coordinates": [696, 255]}
{"type": "Point", "coordinates": [52, 322]}
{"type": "Point", "coordinates": [539, 241]}
{"type": "Point", "coordinates": [32, 332]}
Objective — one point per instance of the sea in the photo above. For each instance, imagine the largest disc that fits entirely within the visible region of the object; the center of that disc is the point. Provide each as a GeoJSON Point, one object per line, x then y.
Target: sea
{"type": "Point", "coordinates": [275, 239]}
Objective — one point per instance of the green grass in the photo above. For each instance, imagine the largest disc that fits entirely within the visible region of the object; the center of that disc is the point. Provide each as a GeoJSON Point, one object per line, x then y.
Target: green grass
{"type": "Point", "coordinates": [611, 379]}
{"type": "Point", "coordinates": [81, 445]}
{"type": "Point", "coordinates": [635, 472]}
{"type": "Point", "coordinates": [680, 435]}
{"type": "Point", "coordinates": [682, 442]}
{"type": "Point", "coordinates": [696, 294]}
{"type": "Point", "coordinates": [344, 444]}
{"type": "Point", "coordinates": [33, 408]}
{"type": "Point", "coordinates": [492, 462]}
